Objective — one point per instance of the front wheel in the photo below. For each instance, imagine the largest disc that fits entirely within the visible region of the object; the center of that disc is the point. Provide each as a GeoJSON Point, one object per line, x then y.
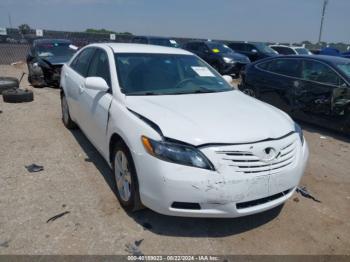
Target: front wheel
{"type": "Point", "coordinates": [66, 119]}
{"type": "Point", "coordinates": [126, 178]}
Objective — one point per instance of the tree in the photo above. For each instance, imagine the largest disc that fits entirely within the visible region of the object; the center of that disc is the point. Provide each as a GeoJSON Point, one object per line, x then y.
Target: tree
{"type": "Point", "coordinates": [99, 31]}
{"type": "Point", "coordinates": [105, 31]}
{"type": "Point", "coordinates": [24, 29]}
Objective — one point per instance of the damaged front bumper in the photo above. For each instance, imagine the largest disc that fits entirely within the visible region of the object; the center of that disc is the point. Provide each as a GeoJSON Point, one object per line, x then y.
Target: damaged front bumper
{"type": "Point", "coordinates": [231, 190]}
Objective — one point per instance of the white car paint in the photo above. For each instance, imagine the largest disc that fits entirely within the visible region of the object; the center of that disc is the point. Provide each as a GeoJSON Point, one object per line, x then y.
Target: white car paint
{"type": "Point", "coordinates": [215, 123]}
{"type": "Point", "coordinates": [294, 49]}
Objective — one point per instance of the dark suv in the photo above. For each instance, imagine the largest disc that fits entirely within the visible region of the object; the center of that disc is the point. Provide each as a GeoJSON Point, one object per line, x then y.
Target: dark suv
{"type": "Point", "coordinates": [153, 40]}
{"type": "Point", "coordinates": [254, 51]}
{"type": "Point", "coordinates": [219, 56]}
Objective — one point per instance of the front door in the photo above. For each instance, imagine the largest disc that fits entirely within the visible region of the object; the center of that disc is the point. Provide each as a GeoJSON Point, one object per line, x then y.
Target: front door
{"type": "Point", "coordinates": [95, 104]}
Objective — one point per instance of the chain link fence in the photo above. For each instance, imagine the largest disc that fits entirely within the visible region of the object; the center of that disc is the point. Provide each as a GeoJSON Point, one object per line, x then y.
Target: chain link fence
{"type": "Point", "coordinates": [14, 45]}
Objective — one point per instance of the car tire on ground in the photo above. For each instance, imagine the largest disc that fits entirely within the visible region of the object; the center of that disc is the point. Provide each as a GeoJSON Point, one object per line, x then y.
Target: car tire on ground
{"type": "Point", "coordinates": [126, 178]}
{"type": "Point", "coordinates": [66, 119]}
{"type": "Point", "coordinates": [17, 95]}
{"type": "Point", "coordinates": [7, 83]}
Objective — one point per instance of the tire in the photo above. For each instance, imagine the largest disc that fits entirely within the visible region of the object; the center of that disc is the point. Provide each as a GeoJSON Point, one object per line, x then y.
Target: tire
{"type": "Point", "coordinates": [125, 178]}
{"type": "Point", "coordinates": [33, 81]}
{"type": "Point", "coordinates": [249, 92]}
{"type": "Point", "coordinates": [17, 96]}
{"type": "Point", "coordinates": [66, 119]}
{"type": "Point", "coordinates": [8, 83]}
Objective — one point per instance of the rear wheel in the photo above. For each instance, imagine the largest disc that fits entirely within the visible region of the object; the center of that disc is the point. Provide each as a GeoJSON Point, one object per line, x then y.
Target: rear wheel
{"type": "Point", "coordinates": [125, 178]}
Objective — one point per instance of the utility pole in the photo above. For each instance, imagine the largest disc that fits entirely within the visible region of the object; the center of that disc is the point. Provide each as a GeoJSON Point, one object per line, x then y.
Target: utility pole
{"type": "Point", "coordinates": [10, 20]}
{"type": "Point", "coordinates": [322, 19]}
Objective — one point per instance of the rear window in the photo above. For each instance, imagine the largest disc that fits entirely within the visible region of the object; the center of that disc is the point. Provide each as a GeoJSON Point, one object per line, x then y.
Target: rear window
{"type": "Point", "coordinates": [283, 50]}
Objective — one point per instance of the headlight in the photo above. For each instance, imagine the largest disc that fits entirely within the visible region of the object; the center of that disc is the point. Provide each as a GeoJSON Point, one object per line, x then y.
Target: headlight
{"type": "Point", "coordinates": [299, 131]}
{"type": "Point", "coordinates": [176, 153]}
{"type": "Point", "coordinates": [35, 64]}
{"type": "Point", "coordinates": [228, 60]}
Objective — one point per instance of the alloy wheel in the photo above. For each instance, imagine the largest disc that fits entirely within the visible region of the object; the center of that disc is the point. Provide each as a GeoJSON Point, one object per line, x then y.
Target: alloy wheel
{"type": "Point", "coordinates": [122, 175]}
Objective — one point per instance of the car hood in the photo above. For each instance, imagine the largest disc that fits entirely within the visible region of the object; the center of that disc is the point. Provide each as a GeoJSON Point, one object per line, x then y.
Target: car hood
{"type": "Point", "coordinates": [224, 117]}
{"type": "Point", "coordinates": [236, 56]}
{"type": "Point", "coordinates": [56, 60]}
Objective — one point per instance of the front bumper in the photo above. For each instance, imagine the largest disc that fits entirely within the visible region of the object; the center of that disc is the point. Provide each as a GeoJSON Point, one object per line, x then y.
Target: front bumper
{"type": "Point", "coordinates": [220, 193]}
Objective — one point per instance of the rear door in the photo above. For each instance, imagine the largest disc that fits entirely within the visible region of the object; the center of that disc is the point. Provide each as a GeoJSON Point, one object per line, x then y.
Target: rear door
{"type": "Point", "coordinates": [277, 80]}
{"type": "Point", "coordinates": [74, 79]}
{"type": "Point", "coordinates": [95, 104]}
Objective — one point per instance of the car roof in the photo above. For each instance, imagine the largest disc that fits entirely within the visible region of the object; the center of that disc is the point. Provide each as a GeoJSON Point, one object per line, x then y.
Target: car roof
{"type": "Point", "coordinates": [50, 41]}
{"type": "Point", "coordinates": [323, 58]}
{"type": "Point", "coordinates": [204, 42]}
{"type": "Point", "coordinates": [142, 48]}
{"type": "Point", "coordinates": [289, 46]}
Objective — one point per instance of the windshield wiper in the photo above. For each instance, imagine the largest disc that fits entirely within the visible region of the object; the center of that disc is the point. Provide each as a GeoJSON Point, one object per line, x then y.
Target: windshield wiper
{"type": "Point", "coordinates": [144, 94]}
{"type": "Point", "coordinates": [201, 90]}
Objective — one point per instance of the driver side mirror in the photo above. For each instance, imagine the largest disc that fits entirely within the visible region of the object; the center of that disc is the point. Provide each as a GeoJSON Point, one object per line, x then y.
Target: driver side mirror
{"type": "Point", "coordinates": [96, 83]}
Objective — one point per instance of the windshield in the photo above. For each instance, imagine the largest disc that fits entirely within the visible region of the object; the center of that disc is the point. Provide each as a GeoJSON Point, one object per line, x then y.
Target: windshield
{"type": "Point", "coordinates": [219, 48]}
{"type": "Point", "coordinates": [166, 74]}
{"type": "Point", "coordinates": [265, 48]}
{"type": "Point", "coordinates": [163, 42]}
{"type": "Point", "coordinates": [302, 51]}
{"type": "Point", "coordinates": [345, 68]}
{"type": "Point", "coordinates": [55, 49]}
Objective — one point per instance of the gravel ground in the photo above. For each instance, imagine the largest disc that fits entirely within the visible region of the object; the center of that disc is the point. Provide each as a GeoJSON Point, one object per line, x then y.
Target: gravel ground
{"type": "Point", "coordinates": [76, 179]}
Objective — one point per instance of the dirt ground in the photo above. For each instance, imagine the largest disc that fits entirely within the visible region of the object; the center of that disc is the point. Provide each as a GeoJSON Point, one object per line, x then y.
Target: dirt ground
{"type": "Point", "coordinates": [76, 179]}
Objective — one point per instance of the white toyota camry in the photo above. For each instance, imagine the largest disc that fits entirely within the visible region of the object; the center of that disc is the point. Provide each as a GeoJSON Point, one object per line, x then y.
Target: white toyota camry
{"type": "Point", "coordinates": [180, 140]}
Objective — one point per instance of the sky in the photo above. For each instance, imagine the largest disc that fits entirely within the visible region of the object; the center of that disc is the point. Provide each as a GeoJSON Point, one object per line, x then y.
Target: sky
{"type": "Point", "coordinates": [245, 20]}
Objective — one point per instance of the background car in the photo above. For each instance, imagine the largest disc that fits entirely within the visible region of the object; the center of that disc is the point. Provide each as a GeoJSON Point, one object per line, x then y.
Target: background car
{"type": "Point", "coordinates": [315, 89]}
{"type": "Point", "coordinates": [45, 60]}
{"type": "Point", "coordinates": [154, 40]}
{"type": "Point", "coordinates": [219, 56]}
{"type": "Point", "coordinates": [290, 50]}
{"type": "Point", "coordinates": [254, 51]}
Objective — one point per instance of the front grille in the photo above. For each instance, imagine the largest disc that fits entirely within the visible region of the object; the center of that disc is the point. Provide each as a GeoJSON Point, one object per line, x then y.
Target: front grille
{"type": "Point", "coordinates": [186, 205]}
{"type": "Point", "coordinates": [261, 200]}
{"type": "Point", "coordinates": [249, 162]}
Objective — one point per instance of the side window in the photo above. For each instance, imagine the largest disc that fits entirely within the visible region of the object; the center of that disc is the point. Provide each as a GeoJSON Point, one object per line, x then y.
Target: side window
{"type": "Point", "coordinates": [287, 67]}
{"type": "Point", "coordinates": [316, 71]}
{"type": "Point", "coordinates": [236, 46]}
{"type": "Point", "coordinates": [202, 47]}
{"type": "Point", "coordinates": [264, 65]}
{"type": "Point", "coordinates": [287, 51]}
{"type": "Point", "coordinates": [249, 47]}
{"type": "Point", "coordinates": [100, 66]}
{"type": "Point", "coordinates": [192, 46]}
{"type": "Point", "coordinates": [283, 50]}
{"type": "Point", "coordinates": [81, 63]}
